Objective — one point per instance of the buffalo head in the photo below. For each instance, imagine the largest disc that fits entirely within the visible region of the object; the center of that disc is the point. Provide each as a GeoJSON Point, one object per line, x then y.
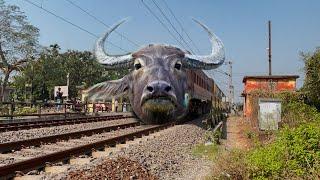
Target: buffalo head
{"type": "Point", "coordinates": [157, 84]}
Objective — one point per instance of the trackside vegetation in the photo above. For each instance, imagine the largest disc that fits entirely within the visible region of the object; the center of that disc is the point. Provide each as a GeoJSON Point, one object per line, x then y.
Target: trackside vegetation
{"type": "Point", "coordinates": [292, 152]}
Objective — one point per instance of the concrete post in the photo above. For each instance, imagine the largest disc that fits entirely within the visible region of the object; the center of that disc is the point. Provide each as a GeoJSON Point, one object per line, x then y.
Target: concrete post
{"type": "Point", "coordinates": [113, 107]}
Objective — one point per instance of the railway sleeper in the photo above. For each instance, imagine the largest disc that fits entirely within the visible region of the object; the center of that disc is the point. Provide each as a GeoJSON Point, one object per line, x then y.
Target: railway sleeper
{"type": "Point", "coordinates": [67, 154]}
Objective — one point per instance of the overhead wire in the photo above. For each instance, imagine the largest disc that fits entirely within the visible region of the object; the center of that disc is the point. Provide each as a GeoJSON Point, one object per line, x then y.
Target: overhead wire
{"type": "Point", "coordinates": [173, 27]}
{"type": "Point", "coordinates": [101, 22]}
{"type": "Point", "coordinates": [180, 24]}
{"type": "Point", "coordinates": [164, 25]}
{"type": "Point", "coordinates": [73, 24]}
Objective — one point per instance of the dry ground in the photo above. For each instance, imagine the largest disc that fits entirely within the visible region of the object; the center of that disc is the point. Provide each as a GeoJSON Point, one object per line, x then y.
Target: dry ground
{"type": "Point", "coordinates": [237, 129]}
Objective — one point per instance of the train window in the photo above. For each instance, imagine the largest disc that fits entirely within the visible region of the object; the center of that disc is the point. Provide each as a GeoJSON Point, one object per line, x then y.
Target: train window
{"type": "Point", "coordinates": [196, 79]}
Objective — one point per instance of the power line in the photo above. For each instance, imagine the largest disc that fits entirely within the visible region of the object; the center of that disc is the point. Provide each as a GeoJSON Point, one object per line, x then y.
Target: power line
{"type": "Point", "coordinates": [222, 72]}
{"type": "Point", "coordinates": [98, 20]}
{"type": "Point", "coordinates": [171, 12]}
{"type": "Point", "coordinates": [71, 23]}
{"type": "Point", "coordinates": [163, 14]}
{"type": "Point", "coordinates": [162, 23]}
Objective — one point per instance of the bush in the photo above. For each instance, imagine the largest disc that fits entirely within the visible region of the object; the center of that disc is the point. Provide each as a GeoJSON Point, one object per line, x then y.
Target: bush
{"type": "Point", "coordinates": [25, 110]}
{"type": "Point", "coordinates": [295, 153]}
{"type": "Point", "coordinates": [296, 113]}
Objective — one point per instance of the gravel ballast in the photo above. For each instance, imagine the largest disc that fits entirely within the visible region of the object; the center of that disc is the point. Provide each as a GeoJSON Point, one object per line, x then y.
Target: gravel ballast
{"type": "Point", "coordinates": [49, 131]}
{"type": "Point", "coordinates": [120, 168]}
{"type": "Point", "coordinates": [167, 156]}
{"type": "Point", "coordinates": [32, 152]}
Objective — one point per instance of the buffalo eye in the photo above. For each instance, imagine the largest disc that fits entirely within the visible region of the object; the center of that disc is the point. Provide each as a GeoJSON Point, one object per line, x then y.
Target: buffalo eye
{"type": "Point", "coordinates": [177, 66]}
{"type": "Point", "coordinates": [137, 66]}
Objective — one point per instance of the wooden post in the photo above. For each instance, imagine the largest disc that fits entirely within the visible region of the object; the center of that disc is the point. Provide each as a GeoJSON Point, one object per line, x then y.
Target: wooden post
{"type": "Point", "coordinates": [39, 111]}
{"type": "Point", "coordinates": [11, 110]}
{"type": "Point", "coordinates": [65, 111]}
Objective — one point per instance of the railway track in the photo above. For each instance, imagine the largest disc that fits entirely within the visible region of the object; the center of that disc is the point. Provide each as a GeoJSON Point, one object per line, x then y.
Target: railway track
{"type": "Point", "coordinates": [17, 145]}
{"type": "Point", "coordinates": [14, 126]}
{"type": "Point", "coordinates": [39, 154]}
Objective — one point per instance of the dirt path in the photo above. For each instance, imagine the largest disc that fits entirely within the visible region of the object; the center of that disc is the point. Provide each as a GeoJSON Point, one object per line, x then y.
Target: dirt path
{"type": "Point", "coordinates": [236, 129]}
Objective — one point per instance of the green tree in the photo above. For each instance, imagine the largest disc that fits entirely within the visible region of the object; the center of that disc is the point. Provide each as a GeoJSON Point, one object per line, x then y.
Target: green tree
{"type": "Point", "coordinates": [311, 86]}
{"type": "Point", "coordinates": [18, 41]}
{"type": "Point", "coordinates": [51, 70]}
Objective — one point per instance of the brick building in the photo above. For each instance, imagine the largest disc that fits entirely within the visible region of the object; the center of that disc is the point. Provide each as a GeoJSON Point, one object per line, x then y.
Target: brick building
{"type": "Point", "coordinates": [275, 83]}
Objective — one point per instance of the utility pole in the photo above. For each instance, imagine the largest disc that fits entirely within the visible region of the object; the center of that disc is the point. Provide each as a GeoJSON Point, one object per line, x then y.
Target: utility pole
{"type": "Point", "coordinates": [68, 77]}
{"type": "Point", "coordinates": [269, 49]}
{"type": "Point", "coordinates": [231, 88]}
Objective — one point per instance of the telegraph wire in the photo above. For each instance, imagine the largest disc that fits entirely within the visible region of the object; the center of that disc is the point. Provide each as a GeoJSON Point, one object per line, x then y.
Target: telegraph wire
{"type": "Point", "coordinates": [168, 20]}
{"type": "Point", "coordinates": [71, 23]}
{"type": "Point", "coordinates": [159, 20]}
{"type": "Point", "coordinates": [100, 21]}
{"type": "Point", "coordinates": [180, 24]}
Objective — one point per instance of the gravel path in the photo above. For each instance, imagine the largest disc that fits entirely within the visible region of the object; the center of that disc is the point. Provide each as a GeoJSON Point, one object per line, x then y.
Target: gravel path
{"type": "Point", "coordinates": [49, 131]}
{"type": "Point", "coordinates": [167, 156]}
{"type": "Point", "coordinates": [237, 128]}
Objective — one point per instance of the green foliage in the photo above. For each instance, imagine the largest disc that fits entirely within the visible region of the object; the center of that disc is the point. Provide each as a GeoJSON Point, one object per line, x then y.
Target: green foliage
{"type": "Point", "coordinates": [295, 153]}
{"type": "Point", "coordinates": [311, 84]}
{"type": "Point", "coordinates": [296, 150]}
{"type": "Point", "coordinates": [25, 110]}
{"type": "Point", "coordinates": [4, 110]}
{"type": "Point", "coordinates": [295, 113]}
{"type": "Point", "coordinates": [18, 38]}
{"type": "Point", "coordinates": [213, 137]}
{"type": "Point", "coordinates": [18, 41]}
{"type": "Point", "coordinates": [51, 70]}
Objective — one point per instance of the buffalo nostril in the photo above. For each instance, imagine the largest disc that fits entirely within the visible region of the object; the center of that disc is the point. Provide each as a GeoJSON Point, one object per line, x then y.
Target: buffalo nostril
{"type": "Point", "coordinates": [168, 88]}
{"type": "Point", "coordinates": [150, 89]}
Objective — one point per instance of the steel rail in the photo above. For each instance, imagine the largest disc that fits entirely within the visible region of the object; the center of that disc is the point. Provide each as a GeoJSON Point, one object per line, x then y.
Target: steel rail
{"type": "Point", "coordinates": [17, 145]}
{"type": "Point", "coordinates": [47, 123]}
{"type": "Point", "coordinates": [8, 171]}
{"type": "Point", "coordinates": [31, 121]}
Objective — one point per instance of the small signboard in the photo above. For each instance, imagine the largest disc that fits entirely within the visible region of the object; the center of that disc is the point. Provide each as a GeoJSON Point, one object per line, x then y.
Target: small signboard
{"type": "Point", "coordinates": [269, 114]}
{"type": "Point", "coordinates": [64, 90]}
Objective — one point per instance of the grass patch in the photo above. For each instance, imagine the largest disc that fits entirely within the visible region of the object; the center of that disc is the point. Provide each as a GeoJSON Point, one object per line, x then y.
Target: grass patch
{"type": "Point", "coordinates": [205, 151]}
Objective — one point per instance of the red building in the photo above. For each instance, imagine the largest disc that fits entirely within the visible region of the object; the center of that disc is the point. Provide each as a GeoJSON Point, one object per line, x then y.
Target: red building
{"type": "Point", "coordinates": [268, 83]}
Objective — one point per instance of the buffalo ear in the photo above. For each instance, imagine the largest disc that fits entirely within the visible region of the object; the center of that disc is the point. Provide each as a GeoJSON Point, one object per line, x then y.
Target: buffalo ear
{"type": "Point", "coordinates": [108, 89]}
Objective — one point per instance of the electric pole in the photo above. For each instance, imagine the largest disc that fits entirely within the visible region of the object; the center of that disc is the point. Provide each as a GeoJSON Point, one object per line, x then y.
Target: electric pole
{"type": "Point", "coordinates": [230, 86]}
{"type": "Point", "coordinates": [68, 77]}
{"type": "Point", "coordinates": [269, 49]}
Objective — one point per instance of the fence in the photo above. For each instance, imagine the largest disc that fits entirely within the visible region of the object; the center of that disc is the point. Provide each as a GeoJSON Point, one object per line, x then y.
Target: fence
{"type": "Point", "coordinates": [22, 109]}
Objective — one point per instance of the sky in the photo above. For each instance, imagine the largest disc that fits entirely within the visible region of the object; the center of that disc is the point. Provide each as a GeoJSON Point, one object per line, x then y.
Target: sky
{"type": "Point", "coordinates": [241, 25]}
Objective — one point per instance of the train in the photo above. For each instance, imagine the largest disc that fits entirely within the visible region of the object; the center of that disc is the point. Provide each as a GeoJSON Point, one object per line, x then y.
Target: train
{"type": "Point", "coordinates": [205, 96]}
